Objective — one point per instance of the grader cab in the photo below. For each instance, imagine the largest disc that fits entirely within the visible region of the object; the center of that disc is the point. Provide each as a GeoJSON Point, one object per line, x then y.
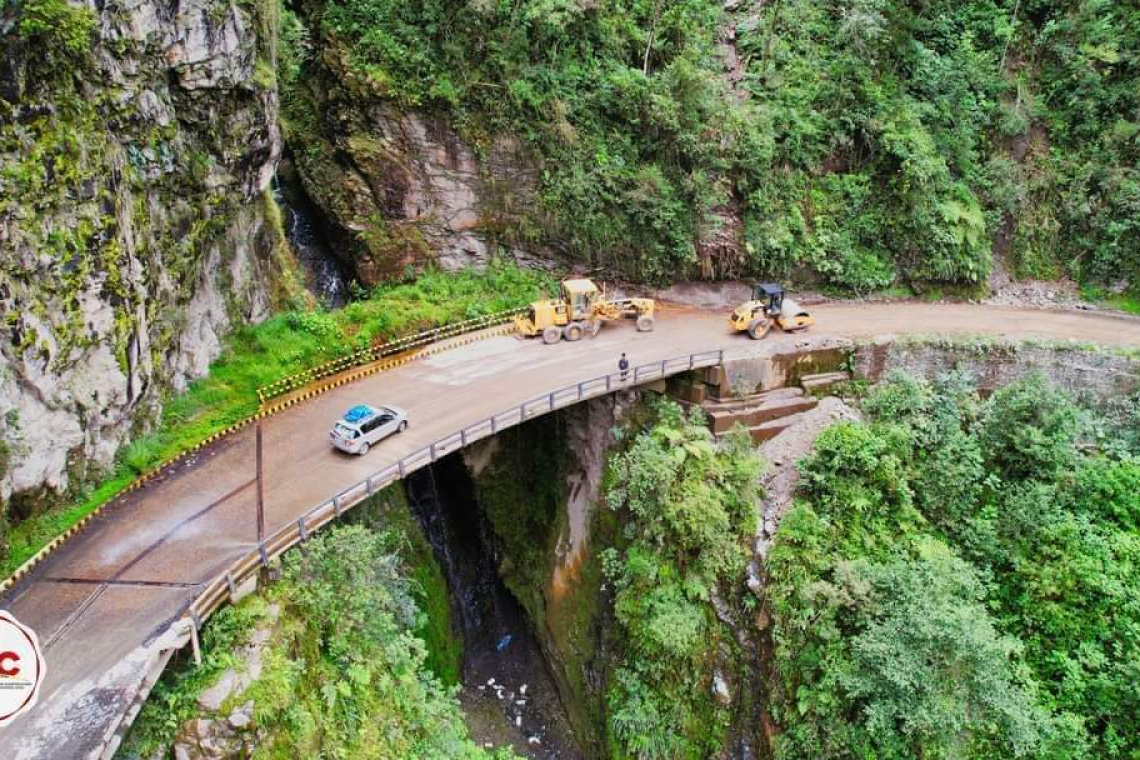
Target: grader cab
{"type": "Point", "coordinates": [581, 308]}
{"type": "Point", "coordinates": [769, 305]}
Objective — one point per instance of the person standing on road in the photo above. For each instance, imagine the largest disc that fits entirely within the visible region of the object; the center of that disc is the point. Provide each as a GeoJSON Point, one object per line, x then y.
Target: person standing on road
{"type": "Point", "coordinates": [623, 366]}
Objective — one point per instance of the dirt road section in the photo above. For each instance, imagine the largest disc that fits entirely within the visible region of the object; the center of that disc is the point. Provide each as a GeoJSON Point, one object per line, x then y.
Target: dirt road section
{"type": "Point", "coordinates": [113, 589]}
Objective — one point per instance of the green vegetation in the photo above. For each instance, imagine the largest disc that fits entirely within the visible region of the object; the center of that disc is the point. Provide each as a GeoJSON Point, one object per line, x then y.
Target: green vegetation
{"type": "Point", "coordinates": [343, 674]}
{"type": "Point", "coordinates": [64, 28]}
{"type": "Point", "coordinates": [959, 580]}
{"type": "Point", "coordinates": [863, 144]}
{"type": "Point", "coordinates": [688, 506]}
{"type": "Point", "coordinates": [1119, 301]}
{"type": "Point", "coordinates": [523, 494]}
{"type": "Point", "coordinates": [435, 627]}
{"type": "Point", "coordinates": [256, 355]}
{"type": "Point", "coordinates": [174, 698]}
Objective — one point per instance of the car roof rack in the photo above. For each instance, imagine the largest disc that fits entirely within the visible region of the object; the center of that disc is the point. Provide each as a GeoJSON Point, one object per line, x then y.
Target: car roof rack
{"type": "Point", "coordinates": [358, 412]}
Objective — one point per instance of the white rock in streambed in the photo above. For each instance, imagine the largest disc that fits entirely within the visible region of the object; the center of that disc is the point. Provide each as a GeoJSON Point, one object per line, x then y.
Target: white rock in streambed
{"type": "Point", "coordinates": [720, 690]}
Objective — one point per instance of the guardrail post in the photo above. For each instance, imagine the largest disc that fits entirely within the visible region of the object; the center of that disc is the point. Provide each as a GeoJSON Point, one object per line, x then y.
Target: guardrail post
{"type": "Point", "coordinates": [552, 402]}
{"type": "Point", "coordinates": [431, 452]}
{"type": "Point", "coordinates": [194, 624]}
{"type": "Point", "coordinates": [580, 391]}
{"type": "Point", "coordinates": [400, 468]}
{"type": "Point", "coordinates": [522, 413]}
{"type": "Point", "coordinates": [336, 500]}
{"type": "Point", "coordinates": [463, 438]}
{"type": "Point", "coordinates": [260, 488]}
{"type": "Point", "coordinates": [261, 553]}
{"type": "Point", "coordinates": [231, 584]}
{"type": "Point", "coordinates": [304, 532]}
{"type": "Point", "coordinates": [720, 357]}
{"type": "Point", "coordinates": [493, 430]}
{"type": "Point", "coordinates": [692, 358]}
{"type": "Point", "coordinates": [609, 382]}
{"type": "Point", "coordinates": [663, 367]}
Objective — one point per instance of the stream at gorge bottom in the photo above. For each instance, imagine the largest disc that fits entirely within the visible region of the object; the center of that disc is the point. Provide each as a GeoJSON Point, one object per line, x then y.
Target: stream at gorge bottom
{"type": "Point", "coordinates": [508, 694]}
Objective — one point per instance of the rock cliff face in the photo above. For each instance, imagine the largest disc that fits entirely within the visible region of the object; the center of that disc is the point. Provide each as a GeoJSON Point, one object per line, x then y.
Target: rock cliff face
{"type": "Point", "coordinates": [541, 488]}
{"type": "Point", "coordinates": [403, 188]}
{"type": "Point", "coordinates": [137, 140]}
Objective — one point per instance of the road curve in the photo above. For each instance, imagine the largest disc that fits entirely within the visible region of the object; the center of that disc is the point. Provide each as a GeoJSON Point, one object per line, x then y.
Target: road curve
{"type": "Point", "coordinates": [107, 594]}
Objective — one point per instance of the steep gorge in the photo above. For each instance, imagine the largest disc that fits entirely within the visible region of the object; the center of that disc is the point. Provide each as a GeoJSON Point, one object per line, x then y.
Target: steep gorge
{"type": "Point", "coordinates": [604, 582]}
{"type": "Point", "coordinates": [545, 492]}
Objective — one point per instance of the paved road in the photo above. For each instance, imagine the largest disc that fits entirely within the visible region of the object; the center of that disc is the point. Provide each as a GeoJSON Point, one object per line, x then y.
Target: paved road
{"type": "Point", "coordinates": [105, 596]}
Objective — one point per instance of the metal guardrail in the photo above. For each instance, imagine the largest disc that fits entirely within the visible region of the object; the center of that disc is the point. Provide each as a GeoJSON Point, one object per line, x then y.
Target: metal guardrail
{"type": "Point", "coordinates": [379, 351]}
{"type": "Point", "coordinates": [224, 588]}
{"type": "Point", "coordinates": [421, 341]}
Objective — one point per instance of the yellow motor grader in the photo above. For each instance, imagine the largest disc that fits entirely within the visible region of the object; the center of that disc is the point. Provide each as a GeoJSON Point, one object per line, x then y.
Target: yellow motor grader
{"type": "Point", "coordinates": [769, 305]}
{"type": "Point", "coordinates": [581, 308]}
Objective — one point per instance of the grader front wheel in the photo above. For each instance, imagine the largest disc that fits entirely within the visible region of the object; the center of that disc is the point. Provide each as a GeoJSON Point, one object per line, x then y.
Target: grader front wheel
{"type": "Point", "coordinates": [645, 323]}
{"type": "Point", "coordinates": [573, 331]}
{"type": "Point", "coordinates": [551, 335]}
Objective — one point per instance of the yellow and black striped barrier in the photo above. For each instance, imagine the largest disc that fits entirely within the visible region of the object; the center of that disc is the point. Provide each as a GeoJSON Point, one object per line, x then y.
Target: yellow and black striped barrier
{"type": "Point", "coordinates": [316, 389]}
{"type": "Point", "coordinates": [377, 352]}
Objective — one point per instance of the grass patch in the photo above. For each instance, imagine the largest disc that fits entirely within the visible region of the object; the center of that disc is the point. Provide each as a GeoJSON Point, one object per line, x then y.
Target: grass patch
{"type": "Point", "coordinates": [289, 342]}
{"type": "Point", "coordinates": [28, 537]}
{"type": "Point", "coordinates": [1129, 303]}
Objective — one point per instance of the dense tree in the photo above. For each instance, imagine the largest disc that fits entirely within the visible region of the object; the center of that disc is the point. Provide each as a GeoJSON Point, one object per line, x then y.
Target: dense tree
{"type": "Point", "coordinates": [861, 142]}
{"type": "Point", "coordinates": [1029, 430]}
{"type": "Point", "coordinates": [690, 505]}
{"type": "Point", "coordinates": [959, 579]}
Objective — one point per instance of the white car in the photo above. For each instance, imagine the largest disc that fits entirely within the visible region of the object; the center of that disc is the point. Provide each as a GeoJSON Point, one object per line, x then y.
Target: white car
{"type": "Point", "coordinates": [364, 425]}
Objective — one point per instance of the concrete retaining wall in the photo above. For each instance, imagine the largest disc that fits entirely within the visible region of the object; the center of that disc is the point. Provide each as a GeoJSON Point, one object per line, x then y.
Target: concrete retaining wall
{"type": "Point", "coordinates": [780, 368]}
{"type": "Point", "coordinates": [1085, 371]}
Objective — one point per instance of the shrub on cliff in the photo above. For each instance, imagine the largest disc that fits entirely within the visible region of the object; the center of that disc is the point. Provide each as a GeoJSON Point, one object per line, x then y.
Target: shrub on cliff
{"type": "Point", "coordinates": [690, 506]}
{"type": "Point", "coordinates": [958, 579]}
{"type": "Point", "coordinates": [63, 28]}
{"type": "Point", "coordinates": [343, 675]}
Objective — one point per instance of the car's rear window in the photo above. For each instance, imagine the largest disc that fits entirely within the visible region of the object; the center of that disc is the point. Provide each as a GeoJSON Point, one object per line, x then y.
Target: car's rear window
{"type": "Point", "coordinates": [345, 430]}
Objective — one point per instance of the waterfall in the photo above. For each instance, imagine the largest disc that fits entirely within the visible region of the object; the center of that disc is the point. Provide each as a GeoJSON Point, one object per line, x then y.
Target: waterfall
{"type": "Point", "coordinates": [326, 276]}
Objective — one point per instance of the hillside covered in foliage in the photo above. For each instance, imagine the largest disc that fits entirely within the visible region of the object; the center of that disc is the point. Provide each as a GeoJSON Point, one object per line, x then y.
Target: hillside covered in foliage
{"type": "Point", "coordinates": [856, 144]}
{"type": "Point", "coordinates": [959, 580]}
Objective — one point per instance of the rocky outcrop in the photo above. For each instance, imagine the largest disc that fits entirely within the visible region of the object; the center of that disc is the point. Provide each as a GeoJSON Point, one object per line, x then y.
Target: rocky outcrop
{"type": "Point", "coordinates": [403, 188]}
{"type": "Point", "coordinates": [540, 485]}
{"type": "Point", "coordinates": [137, 139]}
{"type": "Point", "coordinates": [223, 728]}
{"type": "Point", "coordinates": [217, 739]}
